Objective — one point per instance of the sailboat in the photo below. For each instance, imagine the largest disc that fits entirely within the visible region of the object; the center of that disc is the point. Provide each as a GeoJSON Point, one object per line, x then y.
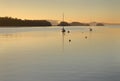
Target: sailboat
{"type": "Point", "coordinates": [91, 29]}
{"type": "Point", "coordinates": [63, 29]}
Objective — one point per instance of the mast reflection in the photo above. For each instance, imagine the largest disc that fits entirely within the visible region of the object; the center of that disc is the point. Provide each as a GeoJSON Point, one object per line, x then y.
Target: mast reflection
{"type": "Point", "coordinates": [63, 41]}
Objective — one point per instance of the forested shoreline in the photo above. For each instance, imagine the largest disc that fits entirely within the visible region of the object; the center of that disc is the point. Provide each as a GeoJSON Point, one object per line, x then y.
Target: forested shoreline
{"type": "Point", "coordinates": [9, 21]}
{"type": "Point", "coordinates": [15, 22]}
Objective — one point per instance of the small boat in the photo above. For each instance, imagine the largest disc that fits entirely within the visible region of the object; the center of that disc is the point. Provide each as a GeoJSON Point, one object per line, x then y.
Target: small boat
{"type": "Point", "coordinates": [86, 37]}
{"type": "Point", "coordinates": [68, 31]}
{"type": "Point", "coordinates": [91, 29]}
{"type": "Point", "coordinates": [63, 30]}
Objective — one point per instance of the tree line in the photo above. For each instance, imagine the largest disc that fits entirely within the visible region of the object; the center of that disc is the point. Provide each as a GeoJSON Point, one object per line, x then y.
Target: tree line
{"type": "Point", "coordinates": [9, 21]}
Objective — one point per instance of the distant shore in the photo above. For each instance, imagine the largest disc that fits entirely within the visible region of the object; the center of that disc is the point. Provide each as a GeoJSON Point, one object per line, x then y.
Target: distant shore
{"type": "Point", "coordinates": [15, 22]}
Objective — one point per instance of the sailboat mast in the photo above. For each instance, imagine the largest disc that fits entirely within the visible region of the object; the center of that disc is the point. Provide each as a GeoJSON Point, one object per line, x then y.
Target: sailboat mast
{"type": "Point", "coordinates": [63, 30]}
{"type": "Point", "coordinates": [63, 19]}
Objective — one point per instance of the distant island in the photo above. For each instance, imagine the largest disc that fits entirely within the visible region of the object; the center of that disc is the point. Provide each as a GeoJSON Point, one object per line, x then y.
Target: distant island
{"type": "Point", "coordinates": [15, 22]}
{"type": "Point", "coordinates": [64, 24]}
{"type": "Point", "coordinates": [99, 24]}
{"type": "Point", "coordinates": [72, 24]}
{"type": "Point", "coordinates": [79, 24]}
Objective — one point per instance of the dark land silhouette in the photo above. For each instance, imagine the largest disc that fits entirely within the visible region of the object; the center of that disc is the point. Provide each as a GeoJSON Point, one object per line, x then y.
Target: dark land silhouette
{"type": "Point", "coordinates": [15, 22]}
{"type": "Point", "coordinates": [99, 24]}
{"type": "Point", "coordinates": [79, 24]}
{"type": "Point", "coordinates": [9, 21]}
{"type": "Point", "coordinates": [64, 24]}
{"type": "Point", "coordinates": [73, 24]}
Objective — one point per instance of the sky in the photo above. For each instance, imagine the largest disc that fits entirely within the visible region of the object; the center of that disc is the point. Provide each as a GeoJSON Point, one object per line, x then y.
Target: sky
{"type": "Point", "coordinates": [107, 11]}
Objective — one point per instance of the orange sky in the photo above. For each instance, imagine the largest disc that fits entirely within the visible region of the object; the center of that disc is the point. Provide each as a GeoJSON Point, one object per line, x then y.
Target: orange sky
{"type": "Point", "coordinates": [75, 10]}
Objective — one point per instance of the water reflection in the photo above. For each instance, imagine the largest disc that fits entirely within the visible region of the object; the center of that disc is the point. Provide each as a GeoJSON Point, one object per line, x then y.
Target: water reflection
{"type": "Point", "coordinates": [69, 36]}
{"type": "Point", "coordinates": [63, 41]}
{"type": "Point", "coordinates": [68, 39]}
{"type": "Point", "coordinates": [38, 55]}
{"type": "Point", "coordinates": [7, 35]}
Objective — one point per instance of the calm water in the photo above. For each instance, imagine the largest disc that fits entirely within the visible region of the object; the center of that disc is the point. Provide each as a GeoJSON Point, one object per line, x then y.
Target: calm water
{"type": "Point", "coordinates": [46, 54]}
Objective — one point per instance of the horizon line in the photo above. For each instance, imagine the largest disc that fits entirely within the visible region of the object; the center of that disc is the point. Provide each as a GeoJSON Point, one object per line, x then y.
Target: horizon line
{"type": "Point", "coordinates": [61, 20]}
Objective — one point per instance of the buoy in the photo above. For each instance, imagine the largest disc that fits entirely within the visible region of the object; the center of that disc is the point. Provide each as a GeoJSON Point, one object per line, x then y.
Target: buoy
{"type": "Point", "coordinates": [69, 40]}
{"type": "Point", "coordinates": [68, 31]}
{"type": "Point", "coordinates": [86, 37]}
{"type": "Point", "coordinates": [91, 29]}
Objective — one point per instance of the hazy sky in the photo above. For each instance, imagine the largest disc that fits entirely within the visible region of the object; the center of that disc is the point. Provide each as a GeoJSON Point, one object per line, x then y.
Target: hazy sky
{"type": "Point", "coordinates": [75, 10]}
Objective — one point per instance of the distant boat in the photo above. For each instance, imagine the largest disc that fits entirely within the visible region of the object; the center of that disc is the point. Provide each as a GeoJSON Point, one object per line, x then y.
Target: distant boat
{"type": "Point", "coordinates": [91, 29]}
{"type": "Point", "coordinates": [63, 29]}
